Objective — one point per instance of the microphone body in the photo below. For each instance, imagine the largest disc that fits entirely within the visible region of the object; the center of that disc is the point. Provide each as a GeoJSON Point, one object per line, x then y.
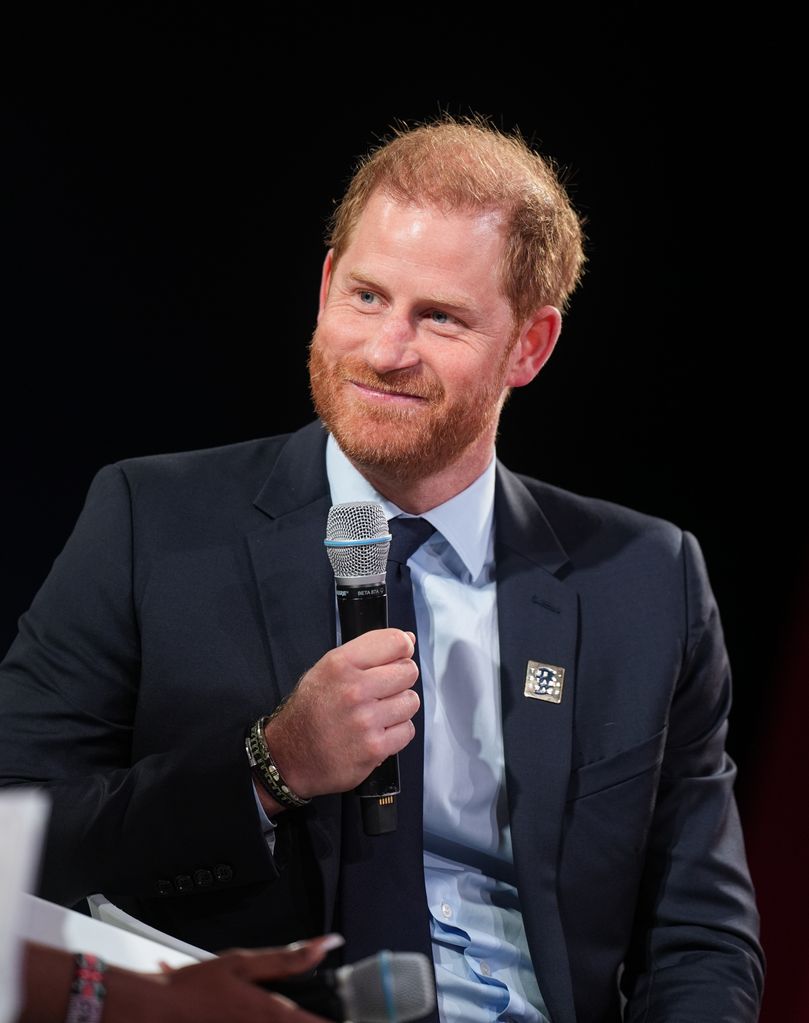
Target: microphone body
{"type": "Point", "coordinates": [362, 608]}
{"type": "Point", "coordinates": [389, 987]}
{"type": "Point", "coordinates": [357, 542]}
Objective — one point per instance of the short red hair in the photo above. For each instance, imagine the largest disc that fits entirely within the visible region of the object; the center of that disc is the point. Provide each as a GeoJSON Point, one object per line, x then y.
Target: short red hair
{"type": "Point", "coordinates": [468, 165]}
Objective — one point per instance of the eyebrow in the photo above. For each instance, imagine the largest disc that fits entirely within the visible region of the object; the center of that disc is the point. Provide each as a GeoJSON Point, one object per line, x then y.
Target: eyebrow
{"type": "Point", "coordinates": [459, 303]}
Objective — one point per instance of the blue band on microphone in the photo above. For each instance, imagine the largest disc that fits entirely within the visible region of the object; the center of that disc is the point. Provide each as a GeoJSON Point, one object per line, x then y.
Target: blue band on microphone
{"type": "Point", "coordinates": [359, 543]}
{"type": "Point", "coordinates": [387, 984]}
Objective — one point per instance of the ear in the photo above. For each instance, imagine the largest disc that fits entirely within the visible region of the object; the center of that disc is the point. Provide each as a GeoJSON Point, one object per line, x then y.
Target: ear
{"type": "Point", "coordinates": [534, 345]}
{"type": "Point", "coordinates": [325, 281]}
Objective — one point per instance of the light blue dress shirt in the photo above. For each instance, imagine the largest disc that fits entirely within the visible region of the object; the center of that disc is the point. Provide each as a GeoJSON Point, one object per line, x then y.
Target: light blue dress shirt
{"type": "Point", "coordinates": [483, 968]}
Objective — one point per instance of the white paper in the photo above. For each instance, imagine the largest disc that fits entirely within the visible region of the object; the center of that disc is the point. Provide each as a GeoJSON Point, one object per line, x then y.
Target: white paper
{"type": "Point", "coordinates": [58, 927]}
{"type": "Point", "coordinates": [102, 909]}
{"type": "Point", "coordinates": [23, 815]}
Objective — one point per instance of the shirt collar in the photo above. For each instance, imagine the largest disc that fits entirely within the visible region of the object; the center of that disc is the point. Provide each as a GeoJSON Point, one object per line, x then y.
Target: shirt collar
{"type": "Point", "coordinates": [465, 521]}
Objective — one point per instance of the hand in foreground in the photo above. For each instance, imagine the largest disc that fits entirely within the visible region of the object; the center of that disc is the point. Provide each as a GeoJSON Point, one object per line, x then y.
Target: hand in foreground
{"type": "Point", "coordinates": [219, 990]}
{"type": "Point", "coordinates": [227, 988]}
{"type": "Point", "coordinates": [348, 713]}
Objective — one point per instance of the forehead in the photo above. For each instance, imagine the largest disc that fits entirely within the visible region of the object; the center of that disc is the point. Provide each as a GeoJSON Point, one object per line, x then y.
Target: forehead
{"type": "Point", "coordinates": [429, 240]}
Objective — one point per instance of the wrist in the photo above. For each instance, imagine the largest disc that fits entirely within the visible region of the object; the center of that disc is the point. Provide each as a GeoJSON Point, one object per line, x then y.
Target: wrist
{"type": "Point", "coordinates": [134, 996]}
{"type": "Point", "coordinates": [267, 771]}
{"type": "Point", "coordinates": [271, 807]}
{"type": "Point", "coordinates": [281, 742]}
{"type": "Point", "coordinates": [88, 991]}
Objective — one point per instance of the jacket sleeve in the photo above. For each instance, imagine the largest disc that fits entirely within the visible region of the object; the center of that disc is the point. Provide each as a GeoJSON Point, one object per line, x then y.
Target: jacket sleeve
{"type": "Point", "coordinates": [68, 705]}
{"type": "Point", "coordinates": [696, 956]}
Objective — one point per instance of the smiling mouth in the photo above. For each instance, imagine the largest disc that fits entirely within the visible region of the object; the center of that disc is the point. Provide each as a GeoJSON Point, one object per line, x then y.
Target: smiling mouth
{"type": "Point", "coordinates": [386, 394]}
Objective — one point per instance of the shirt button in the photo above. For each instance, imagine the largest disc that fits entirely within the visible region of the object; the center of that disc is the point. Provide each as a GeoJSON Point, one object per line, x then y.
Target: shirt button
{"type": "Point", "coordinates": [446, 910]}
{"type": "Point", "coordinates": [485, 969]}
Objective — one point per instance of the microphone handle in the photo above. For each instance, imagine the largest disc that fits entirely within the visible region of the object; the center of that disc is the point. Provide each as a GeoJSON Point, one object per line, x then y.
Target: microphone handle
{"type": "Point", "coordinates": [361, 609]}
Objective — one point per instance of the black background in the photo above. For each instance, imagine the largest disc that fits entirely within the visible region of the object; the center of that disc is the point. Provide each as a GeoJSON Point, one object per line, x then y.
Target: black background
{"type": "Point", "coordinates": [168, 175]}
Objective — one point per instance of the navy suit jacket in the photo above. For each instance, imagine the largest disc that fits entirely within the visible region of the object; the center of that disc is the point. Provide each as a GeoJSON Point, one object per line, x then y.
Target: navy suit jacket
{"type": "Point", "coordinates": [192, 595]}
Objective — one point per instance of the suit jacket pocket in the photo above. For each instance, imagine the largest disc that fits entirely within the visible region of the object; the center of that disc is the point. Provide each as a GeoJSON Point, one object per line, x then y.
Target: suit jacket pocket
{"type": "Point", "coordinates": [608, 814]}
{"type": "Point", "coordinates": [615, 770]}
{"type": "Point", "coordinates": [609, 811]}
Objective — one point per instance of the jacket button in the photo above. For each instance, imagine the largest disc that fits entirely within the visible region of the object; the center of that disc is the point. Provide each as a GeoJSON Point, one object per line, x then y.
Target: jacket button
{"type": "Point", "coordinates": [183, 883]}
{"type": "Point", "coordinates": [164, 887]}
{"type": "Point", "coordinates": [203, 878]}
{"type": "Point", "coordinates": [222, 872]}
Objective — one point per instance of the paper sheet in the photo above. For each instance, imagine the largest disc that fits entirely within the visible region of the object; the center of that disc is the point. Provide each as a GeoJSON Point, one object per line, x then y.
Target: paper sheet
{"type": "Point", "coordinates": [23, 815]}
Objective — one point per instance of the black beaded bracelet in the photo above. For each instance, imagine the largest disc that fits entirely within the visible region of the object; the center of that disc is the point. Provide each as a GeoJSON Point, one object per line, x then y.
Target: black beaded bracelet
{"type": "Point", "coordinates": [260, 758]}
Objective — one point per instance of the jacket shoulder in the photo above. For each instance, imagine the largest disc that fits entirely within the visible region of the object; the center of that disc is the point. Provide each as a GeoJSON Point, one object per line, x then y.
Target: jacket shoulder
{"type": "Point", "coordinates": [582, 523]}
{"type": "Point", "coordinates": [246, 463]}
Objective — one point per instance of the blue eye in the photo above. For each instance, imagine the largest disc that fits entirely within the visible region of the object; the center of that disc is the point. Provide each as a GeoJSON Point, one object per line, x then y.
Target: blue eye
{"type": "Point", "coordinates": [367, 297]}
{"type": "Point", "coordinates": [440, 317]}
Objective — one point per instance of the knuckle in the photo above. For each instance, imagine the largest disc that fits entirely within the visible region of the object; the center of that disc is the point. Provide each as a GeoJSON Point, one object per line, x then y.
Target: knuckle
{"type": "Point", "coordinates": [363, 718]}
{"type": "Point", "coordinates": [377, 748]}
{"type": "Point", "coordinates": [336, 660]}
{"type": "Point", "coordinates": [405, 674]}
{"type": "Point", "coordinates": [411, 702]}
{"type": "Point", "coordinates": [353, 694]}
{"type": "Point", "coordinates": [405, 733]}
{"type": "Point", "coordinates": [397, 643]}
{"type": "Point", "coordinates": [404, 642]}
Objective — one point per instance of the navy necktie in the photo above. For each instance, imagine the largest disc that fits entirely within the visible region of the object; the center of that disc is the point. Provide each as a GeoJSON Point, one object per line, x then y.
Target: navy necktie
{"type": "Point", "coordinates": [408, 536]}
{"type": "Point", "coordinates": [382, 901]}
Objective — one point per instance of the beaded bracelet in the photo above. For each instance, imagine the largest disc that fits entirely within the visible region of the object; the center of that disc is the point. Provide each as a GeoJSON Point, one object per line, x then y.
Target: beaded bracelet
{"type": "Point", "coordinates": [266, 769]}
{"type": "Point", "coordinates": [87, 991]}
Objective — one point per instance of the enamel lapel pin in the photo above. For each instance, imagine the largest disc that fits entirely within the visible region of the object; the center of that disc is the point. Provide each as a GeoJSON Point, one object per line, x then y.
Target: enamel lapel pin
{"type": "Point", "coordinates": [544, 682]}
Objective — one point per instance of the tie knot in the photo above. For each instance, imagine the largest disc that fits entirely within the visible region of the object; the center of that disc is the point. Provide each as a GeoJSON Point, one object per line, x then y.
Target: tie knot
{"type": "Point", "coordinates": [408, 536]}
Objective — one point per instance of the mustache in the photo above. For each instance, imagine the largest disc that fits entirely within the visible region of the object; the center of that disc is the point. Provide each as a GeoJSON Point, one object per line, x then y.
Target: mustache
{"type": "Point", "coordinates": [413, 382]}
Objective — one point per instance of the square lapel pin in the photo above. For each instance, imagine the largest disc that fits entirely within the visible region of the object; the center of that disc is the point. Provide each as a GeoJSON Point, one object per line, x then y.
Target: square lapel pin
{"type": "Point", "coordinates": [544, 682]}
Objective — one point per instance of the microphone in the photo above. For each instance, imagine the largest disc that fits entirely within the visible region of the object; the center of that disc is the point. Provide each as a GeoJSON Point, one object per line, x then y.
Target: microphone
{"type": "Point", "coordinates": [389, 987]}
{"type": "Point", "coordinates": [357, 543]}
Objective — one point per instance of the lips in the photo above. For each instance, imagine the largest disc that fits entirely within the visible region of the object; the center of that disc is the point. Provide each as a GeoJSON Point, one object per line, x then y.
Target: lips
{"type": "Point", "coordinates": [391, 392]}
{"type": "Point", "coordinates": [351, 379]}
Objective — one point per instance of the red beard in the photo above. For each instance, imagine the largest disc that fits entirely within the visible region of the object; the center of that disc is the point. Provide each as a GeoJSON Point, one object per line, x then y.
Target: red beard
{"type": "Point", "coordinates": [405, 443]}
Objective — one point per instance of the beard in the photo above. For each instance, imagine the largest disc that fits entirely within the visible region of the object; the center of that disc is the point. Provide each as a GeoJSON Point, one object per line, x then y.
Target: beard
{"type": "Point", "coordinates": [406, 444]}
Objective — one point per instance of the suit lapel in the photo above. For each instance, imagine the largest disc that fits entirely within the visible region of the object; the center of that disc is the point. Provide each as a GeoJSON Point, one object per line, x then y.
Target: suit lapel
{"type": "Point", "coordinates": [295, 580]}
{"type": "Point", "coordinates": [296, 590]}
{"type": "Point", "coordinates": [538, 620]}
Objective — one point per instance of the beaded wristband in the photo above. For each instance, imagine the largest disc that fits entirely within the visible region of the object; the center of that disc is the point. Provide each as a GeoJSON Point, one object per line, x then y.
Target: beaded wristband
{"type": "Point", "coordinates": [266, 769]}
{"type": "Point", "coordinates": [87, 991]}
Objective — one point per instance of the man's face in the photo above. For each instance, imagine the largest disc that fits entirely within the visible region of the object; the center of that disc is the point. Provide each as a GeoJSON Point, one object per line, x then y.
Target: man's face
{"type": "Point", "coordinates": [410, 361]}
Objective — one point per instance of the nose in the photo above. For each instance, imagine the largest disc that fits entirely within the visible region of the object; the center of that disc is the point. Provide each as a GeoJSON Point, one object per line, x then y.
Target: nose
{"type": "Point", "coordinates": [392, 345]}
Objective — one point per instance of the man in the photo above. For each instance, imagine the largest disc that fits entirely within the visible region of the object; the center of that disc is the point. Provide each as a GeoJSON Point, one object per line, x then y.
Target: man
{"type": "Point", "coordinates": [568, 846]}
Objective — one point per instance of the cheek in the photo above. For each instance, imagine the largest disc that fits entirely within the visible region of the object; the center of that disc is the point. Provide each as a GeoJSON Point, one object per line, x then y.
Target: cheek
{"type": "Point", "coordinates": [339, 331]}
{"type": "Point", "coordinates": [459, 374]}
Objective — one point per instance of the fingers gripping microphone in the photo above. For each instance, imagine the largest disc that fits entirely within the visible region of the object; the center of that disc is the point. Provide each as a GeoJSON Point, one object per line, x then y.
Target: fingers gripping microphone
{"type": "Point", "coordinates": [389, 987]}
{"type": "Point", "coordinates": [357, 543]}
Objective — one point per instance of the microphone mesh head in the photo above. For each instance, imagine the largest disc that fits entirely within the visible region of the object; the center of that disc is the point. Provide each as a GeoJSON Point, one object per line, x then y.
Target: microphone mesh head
{"type": "Point", "coordinates": [388, 986]}
{"type": "Point", "coordinates": [363, 528]}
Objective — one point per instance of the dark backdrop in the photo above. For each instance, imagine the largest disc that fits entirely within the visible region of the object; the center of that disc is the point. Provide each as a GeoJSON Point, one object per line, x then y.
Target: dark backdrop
{"type": "Point", "coordinates": [168, 179]}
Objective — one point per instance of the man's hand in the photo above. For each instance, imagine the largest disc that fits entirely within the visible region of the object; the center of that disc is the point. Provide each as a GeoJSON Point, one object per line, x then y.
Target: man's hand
{"type": "Point", "coordinates": [347, 714]}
